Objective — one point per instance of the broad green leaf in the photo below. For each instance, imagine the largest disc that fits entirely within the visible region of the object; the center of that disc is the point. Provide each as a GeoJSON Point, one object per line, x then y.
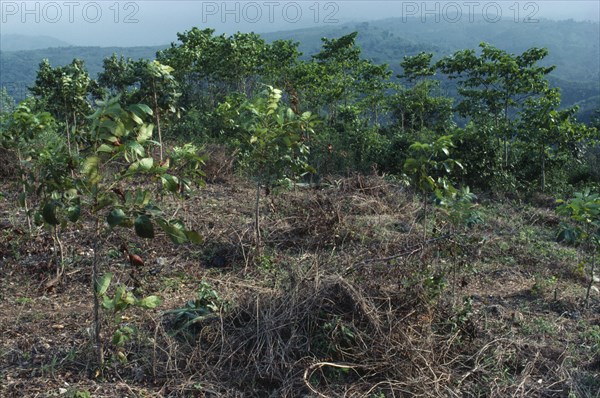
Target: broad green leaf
{"type": "Point", "coordinates": [128, 298]}
{"type": "Point", "coordinates": [136, 148]}
{"type": "Point", "coordinates": [103, 283]}
{"type": "Point", "coordinates": [115, 217]}
{"type": "Point", "coordinates": [177, 224]}
{"type": "Point", "coordinates": [145, 133]}
{"type": "Point", "coordinates": [49, 213]}
{"type": "Point", "coordinates": [176, 234]}
{"type": "Point", "coordinates": [138, 120]}
{"type": "Point", "coordinates": [194, 237]}
{"type": "Point", "coordinates": [108, 303]}
{"type": "Point", "coordinates": [153, 210]}
{"type": "Point", "coordinates": [142, 197]}
{"type": "Point", "coordinates": [146, 163]}
{"type": "Point", "coordinates": [133, 167]}
{"type": "Point", "coordinates": [143, 227]}
{"type": "Point", "coordinates": [289, 113]}
{"type": "Point", "coordinates": [150, 302]}
{"type": "Point", "coordinates": [105, 148]}
{"type": "Point", "coordinates": [119, 130]}
{"type": "Point", "coordinates": [140, 109]}
{"type": "Point", "coordinates": [170, 183]}
{"type": "Point", "coordinates": [108, 125]}
{"type": "Point", "coordinates": [73, 213]}
{"type": "Point", "coordinates": [90, 168]}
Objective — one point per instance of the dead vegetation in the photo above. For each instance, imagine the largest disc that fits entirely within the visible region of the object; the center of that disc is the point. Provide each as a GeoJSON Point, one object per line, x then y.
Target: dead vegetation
{"type": "Point", "coordinates": [346, 300]}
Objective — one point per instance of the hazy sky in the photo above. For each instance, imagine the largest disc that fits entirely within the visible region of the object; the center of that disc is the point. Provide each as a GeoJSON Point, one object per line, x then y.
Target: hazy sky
{"type": "Point", "coordinates": [145, 22]}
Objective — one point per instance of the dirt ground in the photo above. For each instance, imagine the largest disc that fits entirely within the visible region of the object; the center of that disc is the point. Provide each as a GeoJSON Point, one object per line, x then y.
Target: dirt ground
{"type": "Point", "coordinates": [345, 298]}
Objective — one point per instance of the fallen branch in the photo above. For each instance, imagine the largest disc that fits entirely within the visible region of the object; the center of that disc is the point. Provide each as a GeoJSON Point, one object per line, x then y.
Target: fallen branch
{"type": "Point", "coordinates": [311, 369]}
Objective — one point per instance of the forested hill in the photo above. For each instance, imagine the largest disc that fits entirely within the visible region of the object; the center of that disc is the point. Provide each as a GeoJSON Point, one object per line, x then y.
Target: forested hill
{"type": "Point", "coordinates": [573, 46]}
{"type": "Point", "coordinates": [574, 49]}
{"type": "Point", "coordinates": [12, 42]}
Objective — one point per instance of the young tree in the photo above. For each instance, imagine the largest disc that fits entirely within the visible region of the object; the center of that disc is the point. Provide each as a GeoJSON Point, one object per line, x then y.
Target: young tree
{"type": "Point", "coordinates": [420, 106]}
{"type": "Point", "coordinates": [159, 88]}
{"type": "Point", "coordinates": [550, 130]}
{"type": "Point", "coordinates": [274, 148]}
{"type": "Point", "coordinates": [584, 211]}
{"type": "Point", "coordinates": [495, 84]}
{"type": "Point", "coordinates": [19, 130]}
{"type": "Point", "coordinates": [7, 104]}
{"type": "Point", "coordinates": [65, 93]}
{"type": "Point", "coordinates": [428, 167]}
{"type": "Point", "coordinates": [117, 76]}
{"type": "Point", "coordinates": [119, 139]}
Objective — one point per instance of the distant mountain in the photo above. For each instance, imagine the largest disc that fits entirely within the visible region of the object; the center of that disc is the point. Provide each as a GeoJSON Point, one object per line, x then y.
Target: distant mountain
{"type": "Point", "coordinates": [12, 42]}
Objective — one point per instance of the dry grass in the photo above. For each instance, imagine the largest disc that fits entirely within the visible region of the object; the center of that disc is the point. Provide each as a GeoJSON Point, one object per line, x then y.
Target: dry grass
{"type": "Point", "coordinates": [346, 300]}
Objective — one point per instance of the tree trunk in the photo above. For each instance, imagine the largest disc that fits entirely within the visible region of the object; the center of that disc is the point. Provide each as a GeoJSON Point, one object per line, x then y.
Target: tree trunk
{"type": "Point", "coordinates": [543, 163]}
{"type": "Point", "coordinates": [97, 325]}
{"type": "Point", "coordinates": [157, 114]}
{"type": "Point", "coordinates": [424, 217]}
{"type": "Point", "coordinates": [75, 125]}
{"type": "Point", "coordinates": [257, 221]}
{"type": "Point", "coordinates": [24, 189]}
{"type": "Point", "coordinates": [68, 136]}
{"type": "Point", "coordinates": [505, 152]}
{"type": "Point", "coordinates": [591, 283]}
{"type": "Point", "coordinates": [60, 269]}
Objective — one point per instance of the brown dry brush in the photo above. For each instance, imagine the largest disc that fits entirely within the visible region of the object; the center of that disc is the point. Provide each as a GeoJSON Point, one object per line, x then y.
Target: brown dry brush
{"type": "Point", "coordinates": [296, 342]}
{"type": "Point", "coordinates": [334, 216]}
{"type": "Point", "coordinates": [332, 338]}
{"type": "Point", "coordinates": [289, 344]}
{"type": "Point", "coordinates": [380, 330]}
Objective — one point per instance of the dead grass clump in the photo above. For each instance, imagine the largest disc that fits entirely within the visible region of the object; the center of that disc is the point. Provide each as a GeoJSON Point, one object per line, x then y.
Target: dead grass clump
{"type": "Point", "coordinates": [324, 338]}
{"type": "Point", "coordinates": [309, 221]}
{"type": "Point", "coordinates": [337, 216]}
{"type": "Point", "coordinates": [371, 185]}
{"type": "Point", "coordinates": [218, 166]}
{"type": "Point", "coordinates": [9, 164]}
